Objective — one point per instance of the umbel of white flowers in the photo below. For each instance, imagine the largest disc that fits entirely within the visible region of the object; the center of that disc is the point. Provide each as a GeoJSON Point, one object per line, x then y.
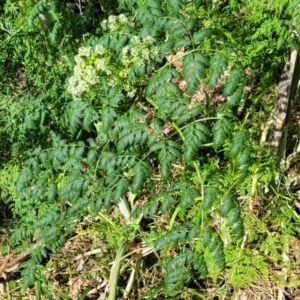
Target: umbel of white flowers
{"type": "Point", "coordinates": [95, 62]}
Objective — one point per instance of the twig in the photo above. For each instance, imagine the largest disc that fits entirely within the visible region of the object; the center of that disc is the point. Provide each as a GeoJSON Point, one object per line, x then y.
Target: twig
{"type": "Point", "coordinates": [5, 263]}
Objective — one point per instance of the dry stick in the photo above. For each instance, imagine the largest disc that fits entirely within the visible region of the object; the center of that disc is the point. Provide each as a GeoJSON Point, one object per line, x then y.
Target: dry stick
{"type": "Point", "coordinates": [286, 90]}
{"type": "Point", "coordinates": [10, 266]}
{"type": "Point", "coordinates": [5, 263]}
{"type": "Point", "coordinates": [8, 292]}
{"type": "Point", "coordinates": [294, 76]}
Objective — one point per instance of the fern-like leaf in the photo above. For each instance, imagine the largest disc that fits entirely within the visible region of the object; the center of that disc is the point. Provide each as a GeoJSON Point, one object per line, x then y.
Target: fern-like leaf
{"type": "Point", "coordinates": [200, 265]}
{"type": "Point", "coordinates": [195, 135]}
{"type": "Point", "coordinates": [141, 174]}
{"type": "Point", "coordinates": [238, 143]}
{"type": "Point", "coordinates": [189, 114]}
{"type": "Point", "coordinates": [91, 157]}
{"type": "Point", "coordinates": [176, 28]}
{"type": "Point", "coordinates": [177, 271]}
{"type": "Point", "coordinates": [168, 98]}
{"type": "Point", "coordinates": [55, 35]}
{"type": "Point", "coordinates": [201, 35]}
{"type": "Point", "coordinates": [221, 130]}
{"type": "Point", "coordinates": [211, 194]}
{"type": "Point", "coordinates": [75, 115]}
{"type": "Point", "coordinates": [208, 236]}
{"type": "Point", "coordinates": [218, 65]}
{"type": "Point", "coordinates": [174, 6]}
{"type": "Point", "coordinates": [244, 157]}
{"type": "Point", "coordinates": [234, 216]}
{"type": "Point", "coordinates": [236, 97]}
{"type": "Point", "coordinates": [177, 234]}
{"type": "Point", "coordinates": [52, 192]}
{"type": "Point", "coordinates": [194, 68]}
{"type": "Point", "coordinates": [219, 256]}
{"type": "Point", "coordinates": [28, 272]}
{"type": "Point", "coordinates": [182, 43]}
{"type": "Point", "coordinates": [135, 134]}
{"type": "Point", "coordinates": [237, 231]}
{"type": "Point", "coordinates": [108, 117]}
{"type": "Point", "coordinates": [232, 82]}
{"type": "Point", "coordinates": [168, 201]}
{"type": "Point", "coordinates": [227, 204]}
{"type": "Point", "coordinates": [188, 197]}
{"type": "Point", "coordinates": [89, 117]}
{"type": "Point", "coordinates": [170, 151]}
{"type": "Point", "coordinates": [121, 189]}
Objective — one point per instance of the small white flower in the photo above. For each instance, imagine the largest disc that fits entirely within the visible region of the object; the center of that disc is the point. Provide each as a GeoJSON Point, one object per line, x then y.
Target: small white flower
{"type": "Point", "coordinates": [149, 39]}
{"type": "Point", "coordinates": [77, 86]}
{"type": "Point", "coordinates": [133, 52]}
{"type": "Point", "coordinates": [108, 72]}
{"type": "Point", "coordinates": [100, 50]}
{"type": "Point", "coordinates": [77, 71]}
{"type": "Point", "coordinates": [112, 27]}
{"type": "Point", "coordinates": [123, 73]}
{"type": "Point", "coordinates": [112, 19]}
{"type": "Point", "coordinates": [78, 59]}
{"type": "Point", "coordinates": [112, 22]}
{"type": "Point", "coordinates": [123, 19]}
{"type": "Point", "coordinates": [154, 53]}
{"type": "Point", "coordinates": [125, 50]}
{"type": "Point", "coordinates": [100, 64]}
{"type": "Point", "coordinates": [104, 24]}
{"type": "Point", "coordinates": [85, 51]}
{"type": "Point", "coordinates": [140, 63]}
{"type": "Point", "coordinates": [135, 39]}
{"type": "Point", "coordinates": [72, 82]}
{"type": "Point", "coordinates": [145, 54]}
{"type": "Point", "coordinates": [112, 81]}
{"type": "Point", "coordinates": [131, 94]}
{"type": "Point", "coordinates": [90, 75]}
{"type": "Point", "coordinates": [127, 87]}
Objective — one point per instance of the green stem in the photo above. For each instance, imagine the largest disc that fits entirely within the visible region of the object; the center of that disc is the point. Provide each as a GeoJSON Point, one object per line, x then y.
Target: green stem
{"type": "Point", "coordinates": [202, 120]}
{"type": "Point", "coordinates": [178, 130]}
{"type": "Point", "coordinates": [98, 161]}
{"type": "Point", "coordinates": [152, 103]}
{"type": "Point", "coordinates": [115, 272]}
{"type": "Point", "coordinates": [103, 217]}
{"type": "Point", "coordinates": [196, 166]}
{"type": "Point", "coordinates": [174, 215]}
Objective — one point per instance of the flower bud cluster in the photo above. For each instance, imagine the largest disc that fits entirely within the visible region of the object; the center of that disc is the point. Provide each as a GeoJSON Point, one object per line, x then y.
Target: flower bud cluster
{"type": "Point", "coordinates": [114, 22]}
{"type": "Point", "coordinates": [139, 51]}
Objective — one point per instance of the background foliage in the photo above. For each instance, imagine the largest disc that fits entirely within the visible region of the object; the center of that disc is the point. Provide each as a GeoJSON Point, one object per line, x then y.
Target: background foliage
{"type": "Point", "coordinates": [160, 101]}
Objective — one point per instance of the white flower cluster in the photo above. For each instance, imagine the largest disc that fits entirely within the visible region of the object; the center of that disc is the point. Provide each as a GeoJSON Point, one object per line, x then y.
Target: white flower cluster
{"type": "Point", "coordinates": [138, 51]}
{"type": "Point", "coordinates": [114, 22]}
{"type": "Point", "coordinates": [92, 63]}
{"type": "Point", "coordinates": [89, 64]}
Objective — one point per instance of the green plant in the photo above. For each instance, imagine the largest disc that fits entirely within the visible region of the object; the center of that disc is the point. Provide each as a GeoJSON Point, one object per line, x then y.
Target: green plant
{"type": "Point", "coordinates": [130, 112]}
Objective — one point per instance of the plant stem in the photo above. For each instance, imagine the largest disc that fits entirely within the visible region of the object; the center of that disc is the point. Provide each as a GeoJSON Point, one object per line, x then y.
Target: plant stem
{"type": "Point", "coordinates": [115, 272]}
